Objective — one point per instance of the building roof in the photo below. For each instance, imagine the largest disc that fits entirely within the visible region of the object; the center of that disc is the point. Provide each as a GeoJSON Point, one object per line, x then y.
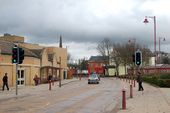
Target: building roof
{"type": "Point", "coordinates": [6, 48]}
{"type": "Point", "coordinates": [98, 58]}
{"type": "Point", "coordinates": [38, 52]}
{"type": "Point", "coordinates": [12, 38]}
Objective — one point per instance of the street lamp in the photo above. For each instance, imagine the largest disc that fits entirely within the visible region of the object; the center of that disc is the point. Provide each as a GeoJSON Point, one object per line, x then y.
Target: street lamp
{"type": "Point", "coordinates": [146, 21]}
{"type": "Point", "coordinates": [163, 39]}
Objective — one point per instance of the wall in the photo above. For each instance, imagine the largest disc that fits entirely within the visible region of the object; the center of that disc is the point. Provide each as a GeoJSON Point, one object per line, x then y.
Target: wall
{"type": "Point", "coordinates": [112, 71]}
{"type": "Point", "coordinates": [30, 66]}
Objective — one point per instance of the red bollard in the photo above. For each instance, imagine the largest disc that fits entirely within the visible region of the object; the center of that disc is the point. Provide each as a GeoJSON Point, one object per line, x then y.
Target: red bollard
{"type": "Point", "coordinates": [131, 91]}
{"type": "Point", "coordinates": [49, 84]}
{"type": "Point", "coordinates": [134, 83]}
{"type": "Point", "coordinates": [123, 99]}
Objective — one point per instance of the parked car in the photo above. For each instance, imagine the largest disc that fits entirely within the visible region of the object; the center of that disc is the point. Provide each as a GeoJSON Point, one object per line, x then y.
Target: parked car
{"type": "Point", "coordinates": [93, 78]}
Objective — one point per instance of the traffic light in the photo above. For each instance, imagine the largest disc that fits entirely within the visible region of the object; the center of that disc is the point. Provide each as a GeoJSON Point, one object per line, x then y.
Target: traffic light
{"type": "Point", "coordinates": [138, 58]}
{"type": "Point", "coordinates": [15, 55]}
{"type": "Point", "coordinates": [21, 55]}
{"type": "Point", "coordinates": [133, 58]}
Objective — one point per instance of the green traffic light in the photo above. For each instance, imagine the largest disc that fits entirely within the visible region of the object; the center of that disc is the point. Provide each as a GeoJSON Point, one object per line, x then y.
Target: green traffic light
{"type": "Point", "coordinates": [14, 61]}
{"type": "Point", "coordinates": [138, 63]}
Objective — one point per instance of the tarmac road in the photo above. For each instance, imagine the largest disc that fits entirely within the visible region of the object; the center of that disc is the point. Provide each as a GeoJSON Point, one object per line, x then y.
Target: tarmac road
{"type": "Point", "coordinates": [74, 97]}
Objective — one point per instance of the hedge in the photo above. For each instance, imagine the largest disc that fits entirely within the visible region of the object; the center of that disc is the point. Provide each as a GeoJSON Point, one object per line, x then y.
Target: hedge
{"type": "Point", "coordinates": [162, 80]}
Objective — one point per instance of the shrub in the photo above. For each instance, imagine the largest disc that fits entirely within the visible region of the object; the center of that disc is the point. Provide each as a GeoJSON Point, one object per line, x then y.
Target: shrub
{"type": "Point", "coordinates": [162, 80]}
{"type": "Point", "coordinates": [165, 76]}
{"type": "Point", "coordinates": [150, 79]}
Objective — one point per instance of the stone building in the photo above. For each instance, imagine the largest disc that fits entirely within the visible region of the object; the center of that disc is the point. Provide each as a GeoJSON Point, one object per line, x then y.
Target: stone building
{"type": "Point", "coordinates": [38, 60]}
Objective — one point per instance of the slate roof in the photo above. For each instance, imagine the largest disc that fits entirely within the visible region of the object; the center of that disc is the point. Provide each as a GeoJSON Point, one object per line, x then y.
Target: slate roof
{"type": "Point", "coordinates": [98, 58]}
{"type": "Point", "coordinates": [38, 52]}
{"type": "Point", "coordinates": [6, 49]}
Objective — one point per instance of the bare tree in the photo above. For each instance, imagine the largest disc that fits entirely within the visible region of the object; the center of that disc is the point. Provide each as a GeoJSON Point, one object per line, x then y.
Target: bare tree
{"type": "Point", "coordinates": [146, 54]}
{"type": "Point", "coordinates": [122, 53]}
{"type": "Point", "coordinates": [115, 56]}
{"type": "Point", "coordinates": [125, 53]}
{"type": "Point", "coordinates": [104, 48]}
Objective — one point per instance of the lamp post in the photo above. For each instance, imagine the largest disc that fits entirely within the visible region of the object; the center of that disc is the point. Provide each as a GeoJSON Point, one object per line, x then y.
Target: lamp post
{"type": "Point", "coordinates": [146, 21]}
{"type": "Point", "coordinates": [163, 39]}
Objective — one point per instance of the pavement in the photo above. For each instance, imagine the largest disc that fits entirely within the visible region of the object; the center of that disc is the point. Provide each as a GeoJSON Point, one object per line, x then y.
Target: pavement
{"type": "Point", "coordinates": [24, 90]}
{"type": "Point", "coordinates": [151, 100]}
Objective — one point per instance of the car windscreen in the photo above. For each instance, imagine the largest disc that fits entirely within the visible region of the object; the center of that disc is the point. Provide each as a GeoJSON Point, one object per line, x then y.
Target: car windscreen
{"type": "Point", "coordinates": [93, 75]}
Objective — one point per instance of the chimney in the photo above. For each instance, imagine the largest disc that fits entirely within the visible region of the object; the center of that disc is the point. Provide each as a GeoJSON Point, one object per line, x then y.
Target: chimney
{"type": "Point", "coordinates": [60, 41]}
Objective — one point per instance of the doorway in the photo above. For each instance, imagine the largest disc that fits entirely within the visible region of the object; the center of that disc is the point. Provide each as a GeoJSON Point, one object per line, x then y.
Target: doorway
{"type": "Point", "coordinates": [21, 77]}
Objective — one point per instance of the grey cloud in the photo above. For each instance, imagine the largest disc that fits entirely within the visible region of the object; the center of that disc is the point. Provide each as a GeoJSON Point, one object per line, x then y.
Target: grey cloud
{"type": "Point", "coordinates": [44, 21]}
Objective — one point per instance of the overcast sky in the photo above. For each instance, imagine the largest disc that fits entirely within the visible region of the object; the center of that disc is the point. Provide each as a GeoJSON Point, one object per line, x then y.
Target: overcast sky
{"type": "Point", "coordinates": [84, 23]}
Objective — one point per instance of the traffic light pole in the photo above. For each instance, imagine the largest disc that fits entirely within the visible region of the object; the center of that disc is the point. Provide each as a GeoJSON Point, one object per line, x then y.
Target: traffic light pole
{"type": "Point", "coordinates": [17, 79]}
{"type": "Point", "coordinates": [17, 71]}
{"type": "Point", "coordinates": [17, 58]}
